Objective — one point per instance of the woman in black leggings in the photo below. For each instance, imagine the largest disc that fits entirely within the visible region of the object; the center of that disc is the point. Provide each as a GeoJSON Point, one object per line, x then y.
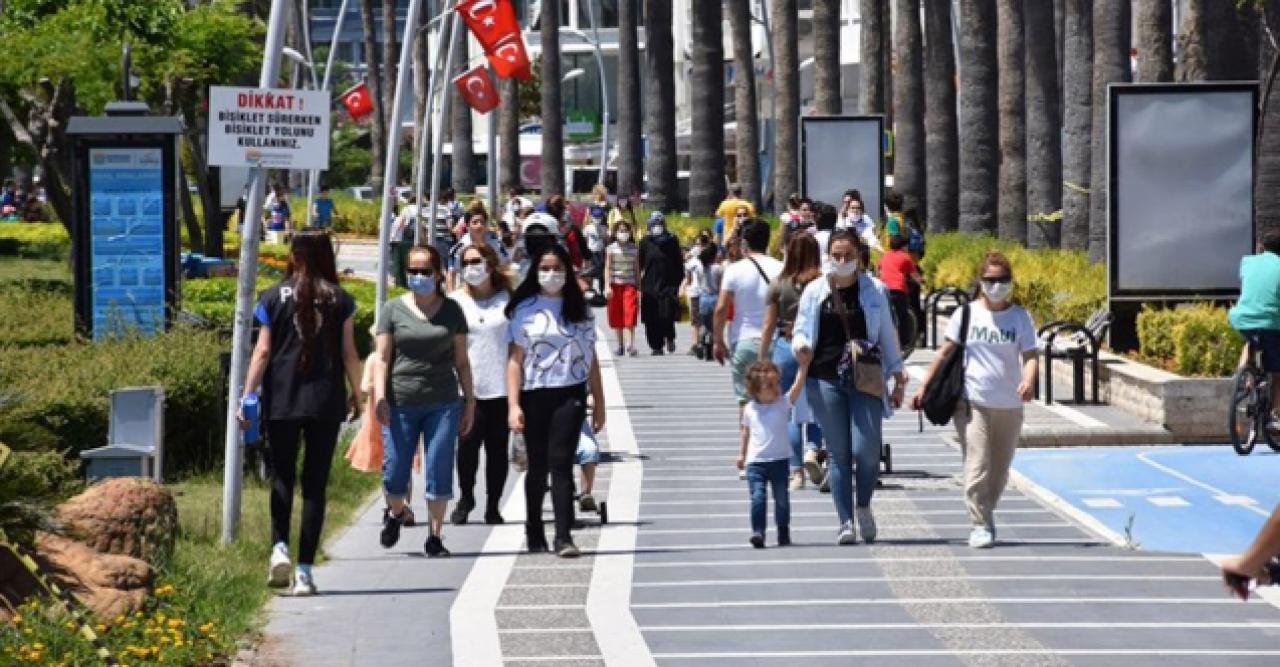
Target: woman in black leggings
{"type": "Point", "coordinates": [305, 347]}
{"type": "Point", "coordinates": [551, 365]}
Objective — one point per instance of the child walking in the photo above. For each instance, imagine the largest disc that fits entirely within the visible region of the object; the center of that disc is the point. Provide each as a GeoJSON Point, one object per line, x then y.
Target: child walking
{"type": "Point", "coordinates": [766, 447]}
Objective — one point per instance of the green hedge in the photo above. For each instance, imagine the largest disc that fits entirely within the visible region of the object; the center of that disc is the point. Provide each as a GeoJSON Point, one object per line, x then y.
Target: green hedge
{"type": "Point", "coordinates": [42, 240]}
{"type": "Point", "coordinates": [1194, 340]}
{"type": "Point", "coordinates": [35, 312]}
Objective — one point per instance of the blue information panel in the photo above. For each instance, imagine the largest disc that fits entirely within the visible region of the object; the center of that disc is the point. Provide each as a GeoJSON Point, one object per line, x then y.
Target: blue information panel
{"type": "Point", "coordinates": [126, 240]}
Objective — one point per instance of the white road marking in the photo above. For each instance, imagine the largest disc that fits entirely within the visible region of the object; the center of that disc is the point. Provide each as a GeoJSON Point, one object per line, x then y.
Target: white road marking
{"type": "Point", "coordinates": [893, 601]}
{"type": "Point", "coordinates": [1102, 503]}
{"type": "Point", "coordinates": [473, 625]}
{"type": "Point", "coordinates": [917, 559]}
{"type": "Point", "coordinates": [820, 627]}
{"type": "Point", "coordinates": [876, 580]}
{"type": "Point", "coordinates": [1072, 415]}
{"type": "Point", "coordinates": [1168, 501]}
{"type": "Point", "coordinates": [1145, 458]}
{"type": "Point", "coordinates": [1235, 500]}
{"type": "Point", "coordinates": [706, 530]}
{"type": "Point", "coordinates": [754, 655]}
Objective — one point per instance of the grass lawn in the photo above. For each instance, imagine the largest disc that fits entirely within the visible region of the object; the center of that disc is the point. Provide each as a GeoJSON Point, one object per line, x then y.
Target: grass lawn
{"type": "Point", "coordinates": [14, 268]}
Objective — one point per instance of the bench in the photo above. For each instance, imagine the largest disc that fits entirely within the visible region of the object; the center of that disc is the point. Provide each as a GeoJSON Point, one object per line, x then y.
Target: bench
{"type": "Point", "coordinates": [1075, 342]}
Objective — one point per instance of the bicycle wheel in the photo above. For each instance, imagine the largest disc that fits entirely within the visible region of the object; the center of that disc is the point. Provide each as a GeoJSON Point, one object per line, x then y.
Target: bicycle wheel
{"type": "Point", "coordinates": [1263, 419]}
{"type": "Point", "coordinates": [1242, 422]}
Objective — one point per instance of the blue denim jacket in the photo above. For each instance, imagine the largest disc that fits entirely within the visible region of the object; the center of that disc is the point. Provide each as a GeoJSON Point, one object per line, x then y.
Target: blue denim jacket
{"type": "Point", "coordinates": [874, 298]}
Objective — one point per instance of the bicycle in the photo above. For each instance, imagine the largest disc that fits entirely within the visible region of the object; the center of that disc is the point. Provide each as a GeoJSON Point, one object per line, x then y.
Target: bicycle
{"type": "Point", "coordinates": [1251, 405]}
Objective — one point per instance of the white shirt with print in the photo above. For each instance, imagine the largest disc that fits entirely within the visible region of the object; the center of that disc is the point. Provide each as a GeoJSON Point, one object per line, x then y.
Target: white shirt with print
{"type": "Point", "coordinates": [993, 353]}
{"type": "Point", "coordinates": [556, 353]}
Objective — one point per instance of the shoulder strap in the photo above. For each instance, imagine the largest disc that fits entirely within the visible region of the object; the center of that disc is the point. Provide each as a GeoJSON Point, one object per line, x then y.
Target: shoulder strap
{"type": "Point", "coordinates": [843, 312]}
{"type": "Point", "coordinates": [964, 325]}
{"type": "Point", "coordinates": [756, 264]}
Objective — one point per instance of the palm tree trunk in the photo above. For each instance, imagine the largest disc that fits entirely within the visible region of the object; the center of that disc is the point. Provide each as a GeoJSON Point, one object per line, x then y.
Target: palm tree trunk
{"type": "Point", "coordinates": [1266, 190]}
{"type": "Point", "coordinates": [786, 77]}
{"type": "Point", "coordinates": [509, 135]}
{"type": "Point", "coordinates": [1110, 65]}
{"type": "Point", "coordinates": [390, 61]}
{"type": "Point", "coordinates": [1216, 43]}
{"type": "Point", "coordinates": [706, 144]}
{"type": "Point", "coordinates": [827, 96]}
{"type": "Point", "coordinates": [979, 117]}
{"type": "Point", "coordinates": [630, 164]}
{"type": "Point", "coordinates": [552, 116]}
{"type": "Point", "coordinates": [746, 117]}
{"type": "Point", "coordinates": [1044, 128]}
{"type": "Point", "coordinates": [1011, 56]}
{"type": "Point", "coordinates": [373, 79]}
{"type": "Point", "coordinates": [1154, 25]}
{"type": "Point", "coordinates": [1077, 121]}
{"type": "Point", "coordinates": [660, 109]}
{"type": "Point", "coordinates": [875, 23]}
{"type": "Point", "coordinates": [421, 76]}
{"type": "Point", "coordinates": [942, 150]}
{"type": "Point", "coordinates": [908, 104]}
{"type": "Point", "coordinates": [464, 157]}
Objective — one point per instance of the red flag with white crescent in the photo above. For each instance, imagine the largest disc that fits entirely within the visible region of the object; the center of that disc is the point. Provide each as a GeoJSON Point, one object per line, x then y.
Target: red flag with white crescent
{"type": "Point", "coordinates": [477, 89]}
{"type": "Point", "coordinates": [491, 21]}
{"type": "Point", "coordinates": [357, 101]}
{"type": "Point", "coordinates": [510, 59]}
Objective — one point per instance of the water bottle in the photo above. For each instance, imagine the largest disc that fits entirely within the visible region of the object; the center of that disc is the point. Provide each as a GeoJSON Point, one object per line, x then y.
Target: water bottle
{"type": "Point", "coordinates": [249, 408]}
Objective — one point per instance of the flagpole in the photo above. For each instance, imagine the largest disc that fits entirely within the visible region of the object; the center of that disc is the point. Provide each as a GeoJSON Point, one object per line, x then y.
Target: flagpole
{"type": "Point", "coordinates": [439, 141]}
{"type": "Point", "coordinates": [314, 175]}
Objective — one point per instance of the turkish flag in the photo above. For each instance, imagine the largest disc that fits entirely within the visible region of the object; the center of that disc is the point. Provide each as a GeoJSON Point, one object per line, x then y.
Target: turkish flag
{"type": "Point", "coordinates": [477, 89]}
{"type": "Point", "coordinates": [510, 59]}
{"type": "Point", "coordinates": [491, 21]}
{"type": "Point", "coordinates": [357, 101]}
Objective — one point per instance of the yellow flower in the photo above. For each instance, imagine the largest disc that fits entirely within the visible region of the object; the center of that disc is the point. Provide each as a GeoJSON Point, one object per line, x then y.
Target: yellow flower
{"type": "Point", "coordinates": [176, 623]}
{"type": "Point", "coordinates": [100, 627]}
{"type": "Point", "coordinates": [17, 620]}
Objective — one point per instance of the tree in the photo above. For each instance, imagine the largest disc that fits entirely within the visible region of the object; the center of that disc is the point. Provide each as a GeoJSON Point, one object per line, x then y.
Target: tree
{"type": "Point", "coordinates": [1077, 86]}
{"type": "Point", "coordinates": [1266, 191]}
{"type": "Point", "coordinates": [464, 157]}
{"type": "Point", "coordinates": [552, 116]}
{"type": "Point", "coordinates": [1110, 64]}
{"type": "Point", "coordinates": [827, 96]}
{"type": "Point", "coordinates": [979, 117]}
{"type": "Point", "coordinates": [1154, 25]}
{"type": "Point", "coordinates": [422, 64]}
{"type": "Point", "coordinates": [390, 62]}
{"type": "Point", "coordinates": [942, 149]}
{"type": "Point", "coordinates": [1011, 53]}
{"type": "Point", "coordinates": [875, 23]}
{"type": "Point", "coordinates": [1044, 128]}
{"type": "Point", "coordinates": [908, 104]}
{"type": "Point", "coordinates": [660, 107]}
{"type": "Point", "coordinates": [509, 135]}
{"type": "Point", "coordinates": [1217, 43]}
{"type": "Point", "coordinates": [706, 143]}
{"type": "Point", "coordinates": [630, 113]}
{"type": "Point", "coordinates": [786, 79]}
{"type": "Point", "coordinates": [745, 116]}
{"type": "Point", "coordinates": [373, 79]}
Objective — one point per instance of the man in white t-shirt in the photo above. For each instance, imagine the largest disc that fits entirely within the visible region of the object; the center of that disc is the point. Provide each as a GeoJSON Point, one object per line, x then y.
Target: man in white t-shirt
{"type": "Point", "coordinates": [744, 286]}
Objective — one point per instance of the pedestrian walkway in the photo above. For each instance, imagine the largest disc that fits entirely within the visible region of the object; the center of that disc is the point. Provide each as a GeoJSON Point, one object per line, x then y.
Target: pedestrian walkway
{"type": "Point", "coordinates": [671, 579]}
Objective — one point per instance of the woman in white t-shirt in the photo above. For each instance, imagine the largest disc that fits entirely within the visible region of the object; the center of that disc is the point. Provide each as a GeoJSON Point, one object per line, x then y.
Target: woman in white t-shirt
{"type": "Point", "coordinates": [483, 297]}
{"type": "Point", "coordinates": [1000, 375]}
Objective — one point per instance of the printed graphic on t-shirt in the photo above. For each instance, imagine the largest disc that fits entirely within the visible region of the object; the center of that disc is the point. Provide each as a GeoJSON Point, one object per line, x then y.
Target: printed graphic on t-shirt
{"type": "Point", "coordinates": [981, 333]}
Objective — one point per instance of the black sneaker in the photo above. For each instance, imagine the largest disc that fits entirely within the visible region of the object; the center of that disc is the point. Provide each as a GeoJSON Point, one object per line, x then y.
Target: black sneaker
{"type": "Point", "coordinates": [434, 547]}
{"type": "Point", "coordinates": [390, 528]}
{"type": "Point", "coordinates": [493, 517]}
{"type": "Point", "coordinates": [784, 537]}
{"type": "Point", "coordinates": [461, 510]}
{"type": "Point", "coordinates": [757, 540]}
{"type": "Point", "coordinates": [567, 549]}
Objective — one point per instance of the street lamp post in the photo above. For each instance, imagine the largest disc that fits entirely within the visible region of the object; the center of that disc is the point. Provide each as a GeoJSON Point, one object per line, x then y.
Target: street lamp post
{"type": "Point", "coordinates": [314, 175]}
{"type": "Point", "coordinates": [604, 93]}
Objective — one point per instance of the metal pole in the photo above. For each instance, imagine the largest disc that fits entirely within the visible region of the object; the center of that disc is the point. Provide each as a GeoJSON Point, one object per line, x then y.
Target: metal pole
{"type": "Point", "coordinates": [492, 170]}
{"type": "Point", "coordinates": [604, 93]}
{"type": "Point", "coordinates": [454, 32]}
{"type": "Point", "coordinates": [314, 176]}
{"type": "Point", "coordinates": [393, 150]}
{"type": "Point", "coordinates": [766, 138]}
{"type": "Point", "coordinates": [232, 475]}
{"type": "Point", "coordinates": [427, 129]}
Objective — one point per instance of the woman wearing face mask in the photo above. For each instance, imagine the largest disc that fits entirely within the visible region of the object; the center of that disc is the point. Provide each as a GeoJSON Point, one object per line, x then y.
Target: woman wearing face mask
{"type": "Point", "coordinates": [478, 234]}
{"type": "Point", "coordinates": [661, 272]}
{"type": "Point", "coordinates": [850, 306]}
{"type": "Point", "coordinates": [423, 367]}
{"type": "Point", "coordinates": [623, 300]}
{"type": "Point", "coordinates": [999, 377]}
{"type": "Point", "coordinates": [550, 366]}
{"type": "Point", "coordinates": [483, 298]}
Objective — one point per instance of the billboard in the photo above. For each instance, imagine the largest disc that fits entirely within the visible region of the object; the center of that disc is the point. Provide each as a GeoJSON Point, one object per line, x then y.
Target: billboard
{"type": "Point", "coordinates": [268, 127]}
{"type": "Point", "coordinates": [838, 153]}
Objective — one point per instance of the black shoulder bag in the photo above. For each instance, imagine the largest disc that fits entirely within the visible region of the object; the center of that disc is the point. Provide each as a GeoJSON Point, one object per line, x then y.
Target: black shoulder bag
{"type": "Point", "coordinates": [946, 388]}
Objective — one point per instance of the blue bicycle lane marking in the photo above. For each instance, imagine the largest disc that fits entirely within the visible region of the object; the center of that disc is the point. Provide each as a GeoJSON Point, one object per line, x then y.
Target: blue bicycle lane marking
{"type": "Point", "coordinates": [1181, 499]}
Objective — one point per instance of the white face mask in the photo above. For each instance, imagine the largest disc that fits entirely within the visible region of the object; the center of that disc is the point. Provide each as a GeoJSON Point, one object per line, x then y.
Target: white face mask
{"type": "Point", "coordinates": [624, 236]}
{"type": "Point", "coordinates": [475, 275]}
{"type": "Point", "coordinates": [996, 292]}
{"type": "Point", "coordinates": [658, 230]}
{"type": "Point", "coordinates": [551, 281]}
{"type": "Point", "coordinates": [844, 269]}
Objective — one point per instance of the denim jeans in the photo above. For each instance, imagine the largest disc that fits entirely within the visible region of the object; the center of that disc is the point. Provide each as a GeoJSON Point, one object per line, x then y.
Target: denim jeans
{"type": "Point", "coordinates": [760, 475]}
{"type": "Point", "coordinates": [439, 423]}
{"type": "Point", "coordinates": [851, 422]}
{"type": "Point", "coordinates": [707, 311]}
{"type": "Point", "coordinates": [801, 438]}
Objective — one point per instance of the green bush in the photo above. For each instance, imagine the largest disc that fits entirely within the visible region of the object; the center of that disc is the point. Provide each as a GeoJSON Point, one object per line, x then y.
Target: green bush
{"type": "Point", "coordinates": [35, 312]}
{"type": "Point", "coordinates": [43, 240]}
{"type": "Point", "coordinates": [1195, 340]}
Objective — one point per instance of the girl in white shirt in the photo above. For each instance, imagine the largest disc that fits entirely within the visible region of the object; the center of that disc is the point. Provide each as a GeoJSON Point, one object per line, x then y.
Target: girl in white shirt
{"type": "Point", "coordinates": [766, 448]}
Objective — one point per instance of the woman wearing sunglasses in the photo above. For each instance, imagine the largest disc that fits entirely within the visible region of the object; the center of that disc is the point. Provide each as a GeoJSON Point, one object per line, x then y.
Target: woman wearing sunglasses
{"type": "Point", "coordinates": [999, 376]}
{"type": "Point", "coordinates": [422, 348]}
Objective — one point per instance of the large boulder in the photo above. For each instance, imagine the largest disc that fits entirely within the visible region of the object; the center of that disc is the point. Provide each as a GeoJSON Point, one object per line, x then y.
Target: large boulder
{"type": "Point", "coordinates": [128, 516]}
{"type": "Point", "coordinates": [109, 585]}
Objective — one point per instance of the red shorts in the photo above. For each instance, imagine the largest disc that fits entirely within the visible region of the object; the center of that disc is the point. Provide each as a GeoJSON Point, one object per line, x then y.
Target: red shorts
{"type": "Point", "coordinates": [624, 306]}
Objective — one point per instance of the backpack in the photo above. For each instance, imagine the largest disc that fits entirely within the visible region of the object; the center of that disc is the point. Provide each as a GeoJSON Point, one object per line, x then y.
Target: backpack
{"type": "Point", "coordinates": [945, 389]}
{"type": "Point", "coordinates": [915, 241]}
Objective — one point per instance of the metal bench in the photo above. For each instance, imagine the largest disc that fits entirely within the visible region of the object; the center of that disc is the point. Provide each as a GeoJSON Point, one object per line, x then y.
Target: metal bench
{"type": "Point", "coordinates": [1078, 343]}
{"type": "Point", "coordinates": [933, 306]}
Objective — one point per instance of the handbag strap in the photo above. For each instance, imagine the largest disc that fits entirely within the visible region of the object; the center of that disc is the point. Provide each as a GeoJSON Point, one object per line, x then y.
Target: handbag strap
{"type": "Point", "coordinates": [841, 310]}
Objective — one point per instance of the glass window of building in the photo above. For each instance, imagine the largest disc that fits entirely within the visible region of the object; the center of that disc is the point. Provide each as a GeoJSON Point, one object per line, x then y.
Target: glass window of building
{"type": "Point", "coordinates": [606, 13]}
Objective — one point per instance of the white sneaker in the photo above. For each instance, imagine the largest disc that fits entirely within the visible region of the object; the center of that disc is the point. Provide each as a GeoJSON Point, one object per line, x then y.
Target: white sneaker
{"type": "Point", "coordinates": [866, 524]}
{"type": "Point", "coordinates": [981, 538]}
{"type": "Point", "coordinates": [303, 585]}
{"type": "Point", "coordinates": [847, 535]}
{"type": "Point", "coordinates": [280, 568]}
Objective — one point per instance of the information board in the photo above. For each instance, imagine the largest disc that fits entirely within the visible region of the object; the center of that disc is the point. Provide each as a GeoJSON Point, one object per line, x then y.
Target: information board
{"type": "Point", "coordinates": [276, 128]}
{"type": "Point", "coordinates": [839, 153]}
{"type": "Point", "coordinates": [127, 259]}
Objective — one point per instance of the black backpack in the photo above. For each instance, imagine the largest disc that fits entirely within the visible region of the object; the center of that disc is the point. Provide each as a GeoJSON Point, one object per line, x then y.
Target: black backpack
{"type": "Point", "coordinates": [945, 389]}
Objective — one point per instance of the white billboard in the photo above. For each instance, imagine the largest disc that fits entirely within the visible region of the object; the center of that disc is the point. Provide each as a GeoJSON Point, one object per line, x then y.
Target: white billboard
{"type": "Point", "coordinates": [839, 153]}
{"type": "Point", "coordinates": [272, 128]}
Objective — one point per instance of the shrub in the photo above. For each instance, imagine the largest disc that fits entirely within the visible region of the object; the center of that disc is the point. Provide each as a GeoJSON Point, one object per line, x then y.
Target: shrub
{"type": "Point", "coordinates": [43, 240]}
{"type": "Point", "coordinates": [1192, 340]}
{"type": "Point", "coordinates": [35, 312]}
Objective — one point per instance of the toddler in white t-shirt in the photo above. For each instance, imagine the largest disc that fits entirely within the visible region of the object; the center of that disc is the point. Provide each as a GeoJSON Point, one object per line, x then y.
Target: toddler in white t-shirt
{"type": "Point", "coordinates": [765, 453]}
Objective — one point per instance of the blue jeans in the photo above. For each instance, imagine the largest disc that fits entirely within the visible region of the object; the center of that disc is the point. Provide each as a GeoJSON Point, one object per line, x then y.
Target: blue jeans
{"type": "Point", "coordinates": [707, 311]}
{"type": "Point", "coordinates": [439, 423]}
{"type": "Point", "coordinates": [771, 473]}
{"type": "Point", "coordinates": [851, 422]}
{"type": "Point", "coordinates": [781, 355]}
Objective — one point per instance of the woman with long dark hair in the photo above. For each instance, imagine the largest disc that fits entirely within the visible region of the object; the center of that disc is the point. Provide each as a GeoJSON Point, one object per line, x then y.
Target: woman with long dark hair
{"type": "Point", "coordinates": [305, 347]}
{"type": "Point", "coordinates": [550, 367]}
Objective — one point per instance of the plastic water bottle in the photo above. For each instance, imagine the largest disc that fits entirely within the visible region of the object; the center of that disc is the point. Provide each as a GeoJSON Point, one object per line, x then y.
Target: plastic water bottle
{"type": "Point", "coordinates": [519, 455]}
{"type": "Point", "coordinates": [249, 408]}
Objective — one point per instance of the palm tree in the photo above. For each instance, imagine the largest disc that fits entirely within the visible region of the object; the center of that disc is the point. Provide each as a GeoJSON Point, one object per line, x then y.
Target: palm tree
{"type": "Point", "coordinates": [827, 97]}
{"type": "Point", "coordinates": [421, 76]}
{"type": "Point", "coordinates": [1110, 64]}
{"type": "Point", "coordinates": [786, 78]}
{"type": "Point", "coordinates": [875, 23]}
{"type": "Point", "coordinates": [1266, 191]}
{"type": "Point", "coordinates": [552, 116]}
{"type": "Point", "coordinates": [464, 157]}
{"type": "Point", "coordinates": [1044, 127]}
{"type": "Point", "coordinates": [660, 107]}
{"type": "Point", "coordinates": [1011, 56]}
{"type": "Point", "coordinates": [942, 149]}
{"type": "Point", "coordinates": [373, 79]}
{"type": "Point", "coordinates": [630, 165]}
{"type": "Point", "coordinates": [390, 61]}
{"type": "Point", "coordinates": [979, 117]}
{"type": "Point", "coordinates": [1217, 43]}
{"type": "Point", "coordinates": [706, 144]}
{"type": "Point", "coordinates": [509, 135]}
{"type": "Point", "coordinates": [1154, 25]}
{"type": "Point", "coordinates": [745, 115]}
{"type": "Point", "coordinates": [1077, 121]}
{"type": "Point", "coordinates": [908, 104]}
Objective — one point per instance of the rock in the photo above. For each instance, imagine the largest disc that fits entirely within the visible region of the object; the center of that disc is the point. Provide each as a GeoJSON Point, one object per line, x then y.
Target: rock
{"type": "Point", "coordinates": [109, 585]}
{"type": "Point", "coordinates": [127, 516]}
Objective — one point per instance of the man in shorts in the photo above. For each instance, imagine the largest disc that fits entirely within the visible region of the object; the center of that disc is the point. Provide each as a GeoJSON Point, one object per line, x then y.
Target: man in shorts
{"type": "Point", "coordinates": [1257, 314]}
{"type": "Point", "coordinates": [744, 288]}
